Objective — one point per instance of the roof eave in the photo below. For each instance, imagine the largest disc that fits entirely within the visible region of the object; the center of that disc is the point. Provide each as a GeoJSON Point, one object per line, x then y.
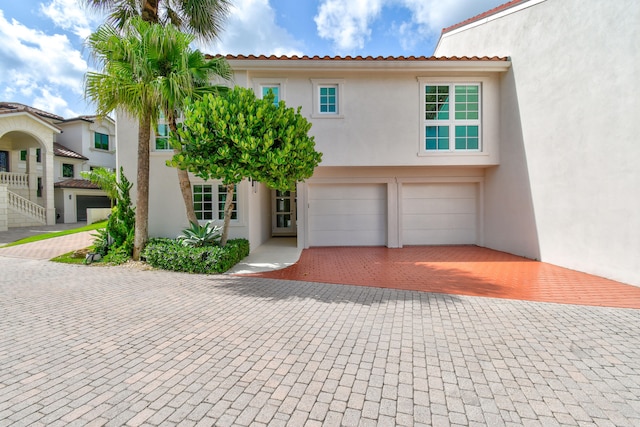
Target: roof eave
{"type": "Point", "coordinates": [435, 65]}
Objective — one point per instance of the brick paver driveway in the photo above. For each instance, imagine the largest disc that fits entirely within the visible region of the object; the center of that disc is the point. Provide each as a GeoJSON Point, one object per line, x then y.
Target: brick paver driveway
{"type": "Point", "coordinates": [118, 346]}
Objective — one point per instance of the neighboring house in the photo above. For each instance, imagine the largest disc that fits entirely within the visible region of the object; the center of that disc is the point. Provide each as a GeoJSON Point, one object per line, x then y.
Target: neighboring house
{"type": "Point", "coordinates": [519, 135]}
{"type": "Point", "coordinates": [35, 158]}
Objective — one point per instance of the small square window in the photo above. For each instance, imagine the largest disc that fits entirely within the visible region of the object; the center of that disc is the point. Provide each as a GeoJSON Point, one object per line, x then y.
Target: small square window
{"type": "Point", "coordinates": [101, 141]}
{"type": "Point", "coordinates": [328, 98]}
{"type": "Point", "coordinates": [67, 170]}
{"type": "Point", "coordinates": [274, 89]}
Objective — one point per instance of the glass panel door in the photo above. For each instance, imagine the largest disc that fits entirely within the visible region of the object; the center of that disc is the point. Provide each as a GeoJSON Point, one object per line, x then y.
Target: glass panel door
{"type": "Point", "coordinates": [283, 213]}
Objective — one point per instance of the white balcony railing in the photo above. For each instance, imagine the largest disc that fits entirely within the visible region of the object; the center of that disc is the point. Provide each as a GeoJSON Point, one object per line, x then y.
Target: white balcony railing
{"type": "Point", "coordinates": [14, 180]}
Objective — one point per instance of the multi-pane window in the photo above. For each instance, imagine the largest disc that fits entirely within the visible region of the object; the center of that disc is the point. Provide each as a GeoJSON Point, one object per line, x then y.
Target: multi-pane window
{"type": "Point", "coordinates": [209, 200]}
{"type": "Point", "coordinates": [274, 89]}
{"type": "Point", "coordinates": [67, 170]}
{"type": "Point", "coordinates": [328, 99]}
{"type": "Point", "coordinates": [451, 117]}
{"type": "Point", "coordinates": [101, 141]}
{"type": "Point", "coordinates": [162, 137]}
{"type": "Point", "coordinates": [23, 155]}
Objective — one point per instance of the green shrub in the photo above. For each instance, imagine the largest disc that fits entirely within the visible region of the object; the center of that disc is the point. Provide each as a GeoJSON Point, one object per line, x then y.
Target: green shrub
{"type": "Point", "coordinates": [169, 254]}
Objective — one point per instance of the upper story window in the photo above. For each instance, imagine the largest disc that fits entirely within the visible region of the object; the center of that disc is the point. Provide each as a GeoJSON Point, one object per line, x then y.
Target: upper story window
{"type": "Point", "coordinates": [101, 141]}
{"type": "Point", "coordinates": [162, 137]}
{"type": "Point", "coordinates": [274, 89]}
{"type": "Point", "coordinates": [328, 97]}
{"type": "Point", "coordinates": [38, 155]}
{"type": "Point", "coordinates": [67, 170]}
{"type": "Point", "coordinates": [262, 86]}
{"type": "Point", "coordinates": [23, 155]}
{"type": "Point", "coordinates": [451, 117]}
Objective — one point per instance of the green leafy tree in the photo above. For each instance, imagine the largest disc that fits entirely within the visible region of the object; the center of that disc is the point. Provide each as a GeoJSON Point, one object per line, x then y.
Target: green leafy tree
{"type": "Point", "coordinates": [238, 136]}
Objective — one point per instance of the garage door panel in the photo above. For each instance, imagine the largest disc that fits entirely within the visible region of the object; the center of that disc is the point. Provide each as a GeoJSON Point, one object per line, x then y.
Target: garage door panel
{"type": "Point", "coordinates": [442, 191]}
{"type": "Point", "coordinates": [438, 206]}
{"type": "Point", "coordinates": [348, 191]}
{"type": "Point", "coordinates": [440, 237]}
{"type": "Point", "coordinates": [439, 213]}
{"type": "Point", "coordinates": [345, 207]}
{"type": "Point", "coordinates": [348, 238]}
{"type": "Point", "coordinates": [444, 222]}
{"type": "Point", "coordinates": [347, 214]}
{"type": "Point", "coordinates": [346, 223]}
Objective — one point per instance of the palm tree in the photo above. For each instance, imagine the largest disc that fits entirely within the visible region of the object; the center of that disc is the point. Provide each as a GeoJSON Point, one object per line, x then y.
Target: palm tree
{"type": "Point", "coordinates": [202, 18]}
{"type": "Point", "coordinates": [196, 74]}
{"type": "Point", "coordinates": [145, 67]}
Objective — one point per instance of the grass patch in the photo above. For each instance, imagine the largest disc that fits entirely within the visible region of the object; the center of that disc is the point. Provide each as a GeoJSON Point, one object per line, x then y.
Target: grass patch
{"type": "Point", "coordinates": [51, 235]}
{"type": "Point", "coordinates": [73, 257]}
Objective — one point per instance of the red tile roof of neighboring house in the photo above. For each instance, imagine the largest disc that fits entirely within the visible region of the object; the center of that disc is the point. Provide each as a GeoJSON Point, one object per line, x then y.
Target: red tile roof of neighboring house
{"type": "Point", "coordinates": [62, 151]}
{"type": "Point", "coordinates": [76, 183]}
{"type": "Point", "coordinates": [13, 107]}
{"type": "Point", "coordinates": [484, 15]}
{"type": "Point", "coordinates": [366, 58]}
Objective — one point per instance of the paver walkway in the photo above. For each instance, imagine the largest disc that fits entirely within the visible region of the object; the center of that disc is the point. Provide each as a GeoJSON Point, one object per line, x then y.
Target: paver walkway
{"type": "Point", "coordinates": [459, 270]}
{"type": "Point", "coordinates": [50, 248]}
{"type": "Point", "coordinates": [115, 346]}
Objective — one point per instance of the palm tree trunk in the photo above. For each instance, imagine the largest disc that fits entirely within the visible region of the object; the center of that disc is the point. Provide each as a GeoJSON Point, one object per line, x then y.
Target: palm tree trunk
{"type": "Point", "coordinates": [142, 188]}
{"type": "Point", "coordinates": [228, 209]}
{"type": "Point", "coordinates": [183, 176]}
{"type": "Point", "coordinates": [150, 11]}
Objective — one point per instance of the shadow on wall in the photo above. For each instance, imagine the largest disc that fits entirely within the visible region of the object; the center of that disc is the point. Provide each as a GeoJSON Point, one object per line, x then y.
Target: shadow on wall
{"type": "Point", "coordinates": [510, 220]}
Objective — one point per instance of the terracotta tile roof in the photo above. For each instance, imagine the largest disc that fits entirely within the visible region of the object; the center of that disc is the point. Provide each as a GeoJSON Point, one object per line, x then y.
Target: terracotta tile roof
{"type": "Point", "coordinates": [76, 183]}
{"type": "Point", "coordinates": [62, 151]}
{"type": "Point", "coordinates": [361, 58]}
{"type": "Point", "coordinates": [13, 107]}
{"type": "Point", "coordinates": [490, 12]}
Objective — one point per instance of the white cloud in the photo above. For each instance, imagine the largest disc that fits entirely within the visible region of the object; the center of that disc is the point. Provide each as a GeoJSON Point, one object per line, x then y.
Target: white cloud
{"type": "Point", "coordinates": [348, 22]}
{"type": "Point", "coordinates": [39, 66]}
{"type": "Point", "coordinates": [251, 28]}
{"type": "Point", "coordinates": [69, 15]}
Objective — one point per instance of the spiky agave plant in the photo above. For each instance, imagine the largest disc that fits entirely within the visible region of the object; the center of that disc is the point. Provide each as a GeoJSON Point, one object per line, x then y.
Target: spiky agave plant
{"type": "Point", "coordinates": [200, 235]}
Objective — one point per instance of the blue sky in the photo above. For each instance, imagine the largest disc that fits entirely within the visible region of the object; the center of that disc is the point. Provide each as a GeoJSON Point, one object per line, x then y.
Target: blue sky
{"type": "Point", "coordinates": [43, 62]}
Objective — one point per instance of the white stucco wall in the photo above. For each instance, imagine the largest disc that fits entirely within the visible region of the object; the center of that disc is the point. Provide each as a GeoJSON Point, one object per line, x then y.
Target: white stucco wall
{"type": "Point", "coordinates": [380, 123]}
{"type": "Point", "coordinates": [167, 216]}
{"type": "Point", "coordinates": [566, 190]}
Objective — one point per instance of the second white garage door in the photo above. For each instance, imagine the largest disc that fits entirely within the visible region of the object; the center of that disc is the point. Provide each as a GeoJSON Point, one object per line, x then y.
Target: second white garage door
{"type": "Point", "coordinates": [439, 214]}
{"type": "Point", "coordinates": [347, 215]}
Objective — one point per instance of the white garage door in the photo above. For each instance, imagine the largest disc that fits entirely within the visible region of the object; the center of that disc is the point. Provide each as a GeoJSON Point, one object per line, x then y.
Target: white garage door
{"type": "Point", "coordinates": [347, 215]}
{"type": "Point", "coordinates": [439, 214]}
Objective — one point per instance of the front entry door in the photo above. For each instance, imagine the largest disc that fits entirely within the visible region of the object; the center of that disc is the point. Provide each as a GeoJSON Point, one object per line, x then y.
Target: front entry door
{"type": "Point", "coordinates": [283, 213]}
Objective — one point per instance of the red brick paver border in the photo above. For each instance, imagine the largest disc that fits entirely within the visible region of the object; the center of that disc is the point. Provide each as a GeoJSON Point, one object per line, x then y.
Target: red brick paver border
{"type": "Point", "coordinates": [459, 270]}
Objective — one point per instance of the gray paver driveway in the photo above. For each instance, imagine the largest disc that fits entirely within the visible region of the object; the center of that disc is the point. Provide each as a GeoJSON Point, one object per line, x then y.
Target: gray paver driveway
{"type": "Point", "coordinates": [119, 346]}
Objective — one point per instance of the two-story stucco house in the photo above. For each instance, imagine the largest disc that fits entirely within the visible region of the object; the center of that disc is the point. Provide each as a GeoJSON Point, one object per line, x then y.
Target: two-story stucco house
{"type": "Point", "coordinates": [518, 135]}
{"type": "Point", "coordinates": [41, 157]}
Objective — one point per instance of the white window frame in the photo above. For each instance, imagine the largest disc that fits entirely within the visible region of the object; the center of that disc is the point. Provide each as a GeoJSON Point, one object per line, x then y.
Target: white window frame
{"type": "Point", "coordinates": [452, 122]}
{"type": "Point", "coordinates": [215, 201]}
{"type": "Point", "coordinates": [317, 84]}
{"type": "Point", "coordinates": [73, 170]}
{"type": "Point", "coordinates": [260, 83]}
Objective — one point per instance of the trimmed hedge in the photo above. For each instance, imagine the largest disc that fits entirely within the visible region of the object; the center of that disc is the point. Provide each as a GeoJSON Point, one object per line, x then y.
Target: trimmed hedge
{"type": "Point", "coordinates": [169, 254]}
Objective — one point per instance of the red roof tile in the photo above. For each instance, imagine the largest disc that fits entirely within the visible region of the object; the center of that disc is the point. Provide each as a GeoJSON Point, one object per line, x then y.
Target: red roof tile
{"type": "Point", "coordinates": [484, 15]}
{"type": "Point", "coordinates": [13, 107]}
{"type": "Point", "coordinates": [361, 58]}
{"type": "Point", "coordinates": [62, 151]}
{"type": "Point", "coordinates": [76, 183]}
